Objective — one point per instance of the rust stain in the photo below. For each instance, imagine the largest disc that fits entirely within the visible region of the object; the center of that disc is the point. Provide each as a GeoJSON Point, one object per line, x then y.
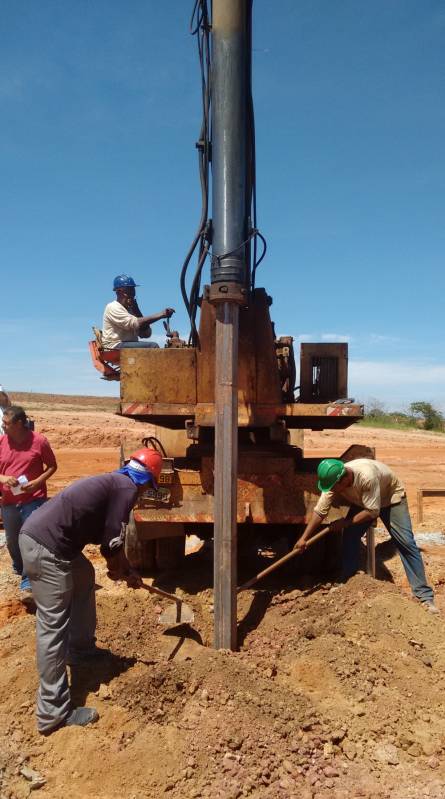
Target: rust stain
{"type": "Point", "coordinates": [11, 609]}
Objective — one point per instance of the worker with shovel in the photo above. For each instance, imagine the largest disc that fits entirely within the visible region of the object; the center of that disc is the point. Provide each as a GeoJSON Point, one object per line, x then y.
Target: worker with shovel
{"type": "Point", "coordinates": [94, 510]}
{"type": "Point", "coordinates": [372, 490]}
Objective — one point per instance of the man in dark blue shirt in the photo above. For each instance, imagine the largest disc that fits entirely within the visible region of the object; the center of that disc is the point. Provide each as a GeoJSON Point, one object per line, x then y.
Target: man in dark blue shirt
{"type": "Point", "coordinates": [94, 510]}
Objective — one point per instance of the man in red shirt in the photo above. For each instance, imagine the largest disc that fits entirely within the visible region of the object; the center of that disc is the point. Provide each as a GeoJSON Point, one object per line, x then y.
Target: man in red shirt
{"type": "Point", "coordinates": [26, 463]}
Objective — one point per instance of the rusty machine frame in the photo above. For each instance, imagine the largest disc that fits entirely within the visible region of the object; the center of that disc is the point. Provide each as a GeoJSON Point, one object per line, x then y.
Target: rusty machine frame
{"type": "Point", "coordinates": [224, 407]}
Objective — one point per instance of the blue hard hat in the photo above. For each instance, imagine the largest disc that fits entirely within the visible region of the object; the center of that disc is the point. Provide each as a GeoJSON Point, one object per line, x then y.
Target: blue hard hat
{"type": "Point", "coordinates": [123, 282]}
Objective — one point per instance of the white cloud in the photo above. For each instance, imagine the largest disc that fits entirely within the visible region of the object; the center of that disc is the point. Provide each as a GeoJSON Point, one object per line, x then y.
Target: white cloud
{"type": "Point", "coordinates": [336, 337]}
{"type": "Point", "coordinates": [358, 339]}
{"type": "Point", "coordinates": [302, 336]}
{"type": "Point", "coordinates": [321, 337]}
{"type": "Point", "coordinates": [377, 338]}
{"type": "Point", "coordinates": [398, 383]}
{"type": "Point", "coordinates": [394, 372]}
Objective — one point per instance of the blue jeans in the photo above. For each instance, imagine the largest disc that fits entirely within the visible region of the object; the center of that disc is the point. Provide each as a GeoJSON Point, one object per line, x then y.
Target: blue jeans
{"type": "Point", "coordinates": [14, 517]}
{"type": "Point", "coordinates": [397, 521]}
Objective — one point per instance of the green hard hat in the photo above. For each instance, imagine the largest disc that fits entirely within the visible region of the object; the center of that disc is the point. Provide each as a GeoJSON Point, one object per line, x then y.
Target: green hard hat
{"type": "Point", "coordinates": [329, 472]}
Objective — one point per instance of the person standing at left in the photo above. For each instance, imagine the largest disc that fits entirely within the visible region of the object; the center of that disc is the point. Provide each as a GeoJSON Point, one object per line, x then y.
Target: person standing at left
{"type": "Point", "coordinates": [26, 463]}
{"type": "Point", "coordinates": [4, 403]}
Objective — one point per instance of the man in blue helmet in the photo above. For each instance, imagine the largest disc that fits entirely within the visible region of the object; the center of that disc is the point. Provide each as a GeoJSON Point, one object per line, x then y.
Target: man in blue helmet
{"type": "Point", "coordinates": [123, 321]}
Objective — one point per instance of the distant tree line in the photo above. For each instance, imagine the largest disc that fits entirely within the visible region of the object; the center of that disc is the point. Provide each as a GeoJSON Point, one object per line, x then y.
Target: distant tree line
{"type": "Point", "coordinates": [419, 415]}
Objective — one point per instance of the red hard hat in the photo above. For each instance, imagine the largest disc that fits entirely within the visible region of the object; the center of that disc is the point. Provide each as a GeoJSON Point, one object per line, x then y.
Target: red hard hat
{"type": "Point", "coordinates": [151, 459]}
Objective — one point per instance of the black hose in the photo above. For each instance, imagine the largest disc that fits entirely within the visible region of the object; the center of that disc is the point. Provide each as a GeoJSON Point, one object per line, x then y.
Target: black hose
{"type": "Point", "coordinates": [200, 27]}
{"type": "Point", "coordinates": [155, 444]}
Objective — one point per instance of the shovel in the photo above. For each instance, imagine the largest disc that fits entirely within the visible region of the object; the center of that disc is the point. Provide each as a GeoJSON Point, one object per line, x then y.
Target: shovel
{"type": "Point", "coordinates": [179, 613]}
{"type": "Point", "coordinates": [284, 559]}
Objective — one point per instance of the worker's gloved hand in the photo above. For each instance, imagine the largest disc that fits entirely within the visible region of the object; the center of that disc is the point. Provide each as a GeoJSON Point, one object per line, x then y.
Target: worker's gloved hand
{"type": "Point", "coordinates": [168, 312]}
{"type": "Point", "coordinates": [120, 570]}
{"type": "Point", "coordinates": [129, 576]}
{"type": "Point", "coordinates": [117, 575]}
{"type": "Point", "coordinates": [133, 579]}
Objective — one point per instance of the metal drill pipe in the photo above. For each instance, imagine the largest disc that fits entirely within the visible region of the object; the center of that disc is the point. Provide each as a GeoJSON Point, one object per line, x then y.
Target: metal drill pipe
{"type": "Point", "coordinates": [226, 467]}
{"type": "Point", "coordinates": [229, 148]}
{"type": "Point", "coordinates": [229, 139]}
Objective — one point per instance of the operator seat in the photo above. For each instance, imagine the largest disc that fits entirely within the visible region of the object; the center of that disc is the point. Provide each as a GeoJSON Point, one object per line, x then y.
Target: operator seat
{"type": "Point", "coordinates": [105, 361]}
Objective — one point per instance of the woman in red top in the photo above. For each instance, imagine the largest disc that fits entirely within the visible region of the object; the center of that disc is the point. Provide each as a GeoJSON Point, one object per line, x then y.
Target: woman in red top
{"type": "Point", "coordinates": [28, 456]}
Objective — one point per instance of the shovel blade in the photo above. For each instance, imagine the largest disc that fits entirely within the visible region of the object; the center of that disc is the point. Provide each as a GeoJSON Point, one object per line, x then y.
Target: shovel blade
{"type": "Point", "coordinates": [177, 614]}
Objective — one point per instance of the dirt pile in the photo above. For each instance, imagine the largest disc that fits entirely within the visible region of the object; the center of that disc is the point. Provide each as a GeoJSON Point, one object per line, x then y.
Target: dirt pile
{"type": "Point", "coordinates": [337, 691]}
{"type": "Point", "coordinates": [78, 422]}
{"type": "Point", "coordinates": [85, 430]}
{"type": "Point", "coordinates": [34, 400]}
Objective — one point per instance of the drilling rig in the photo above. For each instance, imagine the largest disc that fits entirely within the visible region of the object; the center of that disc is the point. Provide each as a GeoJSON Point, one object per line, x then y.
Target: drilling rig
{"type": "Point", "coordinates": [224, 407]}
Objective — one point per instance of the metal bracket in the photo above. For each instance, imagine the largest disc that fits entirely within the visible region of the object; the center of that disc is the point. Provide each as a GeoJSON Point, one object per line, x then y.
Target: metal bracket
{"type": "Point", "coordinates": [226, 292]}
{"type": "Point", "coordinates": [192, 429]}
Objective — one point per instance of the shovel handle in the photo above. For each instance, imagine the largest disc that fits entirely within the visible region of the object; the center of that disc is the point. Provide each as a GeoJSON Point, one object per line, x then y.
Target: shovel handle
{"type": "Point", "coordinates": [162, 593]}
{"type": "Point", "coordinates": [284, 559]}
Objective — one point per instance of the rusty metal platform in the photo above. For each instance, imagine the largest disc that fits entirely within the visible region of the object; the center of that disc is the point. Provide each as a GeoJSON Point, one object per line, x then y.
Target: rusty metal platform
{"type": "Point", "coordinates": [274, 489]}
{"type": "Point", "coordinates": [311, 416]}
{"type": "Point", "coordinates": [169, 386]}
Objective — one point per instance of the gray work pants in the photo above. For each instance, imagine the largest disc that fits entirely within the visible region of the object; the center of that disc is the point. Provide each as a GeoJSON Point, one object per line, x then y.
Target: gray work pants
{"type": "Point", "coordinates": [63, 591]}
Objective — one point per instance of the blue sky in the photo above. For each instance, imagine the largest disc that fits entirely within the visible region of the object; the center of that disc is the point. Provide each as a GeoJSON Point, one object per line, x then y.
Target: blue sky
{"type": "Point", "coordinates": [99, 105]}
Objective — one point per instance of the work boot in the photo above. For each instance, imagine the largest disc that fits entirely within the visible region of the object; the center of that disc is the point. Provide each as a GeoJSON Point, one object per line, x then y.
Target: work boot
{"type": "Point", "coordinates": [25, 592]}
{"type": "Point", "coordinates": [81, 716]}
{"type": "Point", "coordinates": [26, 598]}
{"type": "Point", "coordinates": [87, 656]}
{"type": "Point", "coordinates": [78, 717]}
{"type": "Point", "coordinates": [429, 605]}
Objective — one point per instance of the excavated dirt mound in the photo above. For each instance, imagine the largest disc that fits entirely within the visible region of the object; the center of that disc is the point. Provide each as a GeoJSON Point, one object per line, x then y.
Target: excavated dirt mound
{"type": "Point", "coordinates": [78, 422]}
{"type": "Point", "coordinates": [85, 430]}
{"type": "Point", "coordinates": [337, 691]}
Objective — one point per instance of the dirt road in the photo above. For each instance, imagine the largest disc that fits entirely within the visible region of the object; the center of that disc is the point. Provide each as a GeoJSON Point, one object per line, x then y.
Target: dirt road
{"type": "Point", "coordinates": [337, 690]}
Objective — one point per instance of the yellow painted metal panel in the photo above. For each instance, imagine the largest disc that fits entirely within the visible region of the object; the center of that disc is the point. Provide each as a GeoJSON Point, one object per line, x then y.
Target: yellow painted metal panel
{"type": "Point", "coordinates": [158, 376]}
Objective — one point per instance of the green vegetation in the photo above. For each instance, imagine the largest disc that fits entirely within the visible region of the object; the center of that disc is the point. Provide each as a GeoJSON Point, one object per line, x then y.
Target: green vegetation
{"type": "Point", "coordinates": [432, 418]}
{"type": "Point", "coordinates": [420, 415]}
